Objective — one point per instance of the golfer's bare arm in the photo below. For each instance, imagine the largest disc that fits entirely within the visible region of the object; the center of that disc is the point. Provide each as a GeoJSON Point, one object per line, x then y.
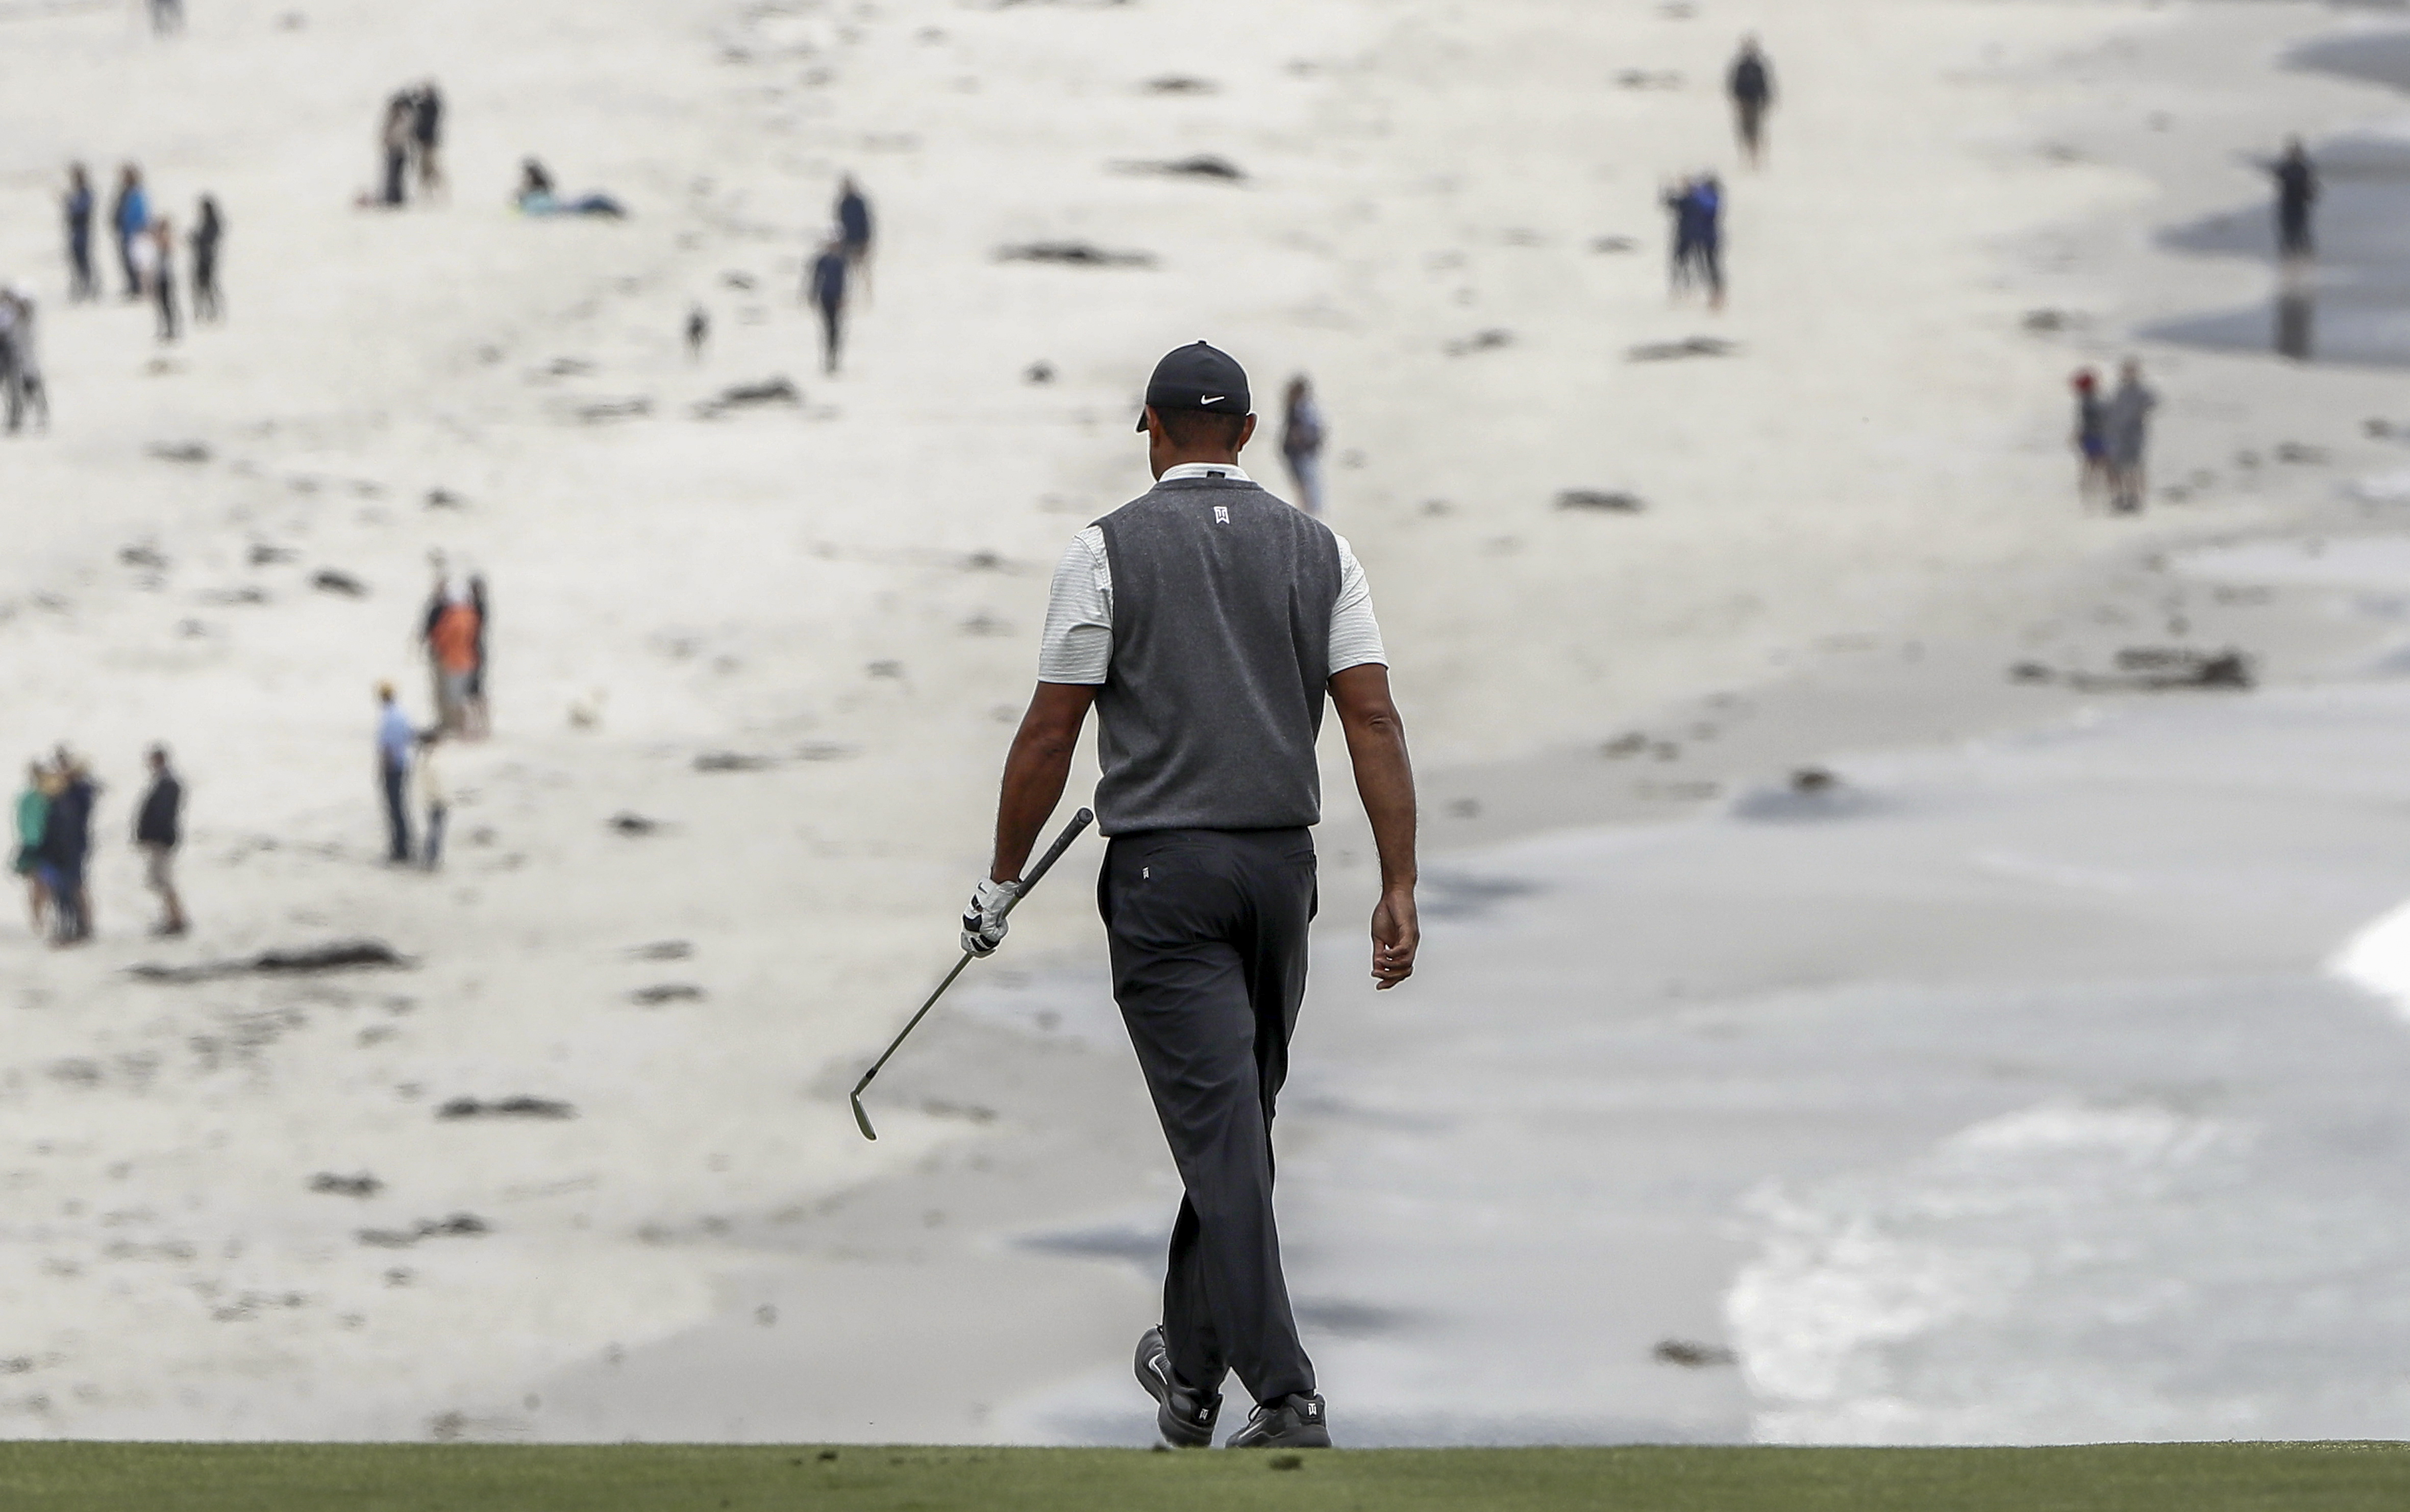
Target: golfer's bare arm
{"type": "Point", "coordinates": [1035, 770]}
{"type": "Point", "coordinates": [1385, 780]}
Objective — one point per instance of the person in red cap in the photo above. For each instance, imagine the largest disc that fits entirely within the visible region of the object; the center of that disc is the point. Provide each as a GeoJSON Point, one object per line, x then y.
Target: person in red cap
{"type": "Point", "coordinates": [1207, 623]}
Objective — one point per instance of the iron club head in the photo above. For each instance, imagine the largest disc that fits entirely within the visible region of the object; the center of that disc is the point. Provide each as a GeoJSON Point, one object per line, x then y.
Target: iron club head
{"type": "Point", "coordinates": [862, 1120]}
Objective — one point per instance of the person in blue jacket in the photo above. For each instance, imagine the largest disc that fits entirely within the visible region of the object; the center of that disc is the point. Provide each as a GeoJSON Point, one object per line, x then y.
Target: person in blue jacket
{"type": "Point", "coordinates": [130, 216]}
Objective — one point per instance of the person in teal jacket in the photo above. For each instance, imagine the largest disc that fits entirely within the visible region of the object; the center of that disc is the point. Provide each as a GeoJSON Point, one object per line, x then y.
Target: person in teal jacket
{"type": "Point", "coordinates": [32, 817]}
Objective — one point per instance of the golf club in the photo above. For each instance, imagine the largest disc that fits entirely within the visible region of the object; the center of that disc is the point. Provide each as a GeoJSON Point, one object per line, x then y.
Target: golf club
{"type": "Point", "coordinates": [1054, 852]}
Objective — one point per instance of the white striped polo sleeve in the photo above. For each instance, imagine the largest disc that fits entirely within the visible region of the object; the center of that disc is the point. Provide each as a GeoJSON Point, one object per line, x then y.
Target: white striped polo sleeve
{"type": "Point", "coordinates": [1355, 634]}
{"type": "Point", "coordinates": [1077, 645]}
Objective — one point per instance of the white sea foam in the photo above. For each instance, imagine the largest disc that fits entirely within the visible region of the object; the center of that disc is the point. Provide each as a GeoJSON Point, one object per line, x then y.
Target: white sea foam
{"type": "Point", "coordinates": [1889, 1308]}
{"type": "Point", "coordinates": [2377, 957]}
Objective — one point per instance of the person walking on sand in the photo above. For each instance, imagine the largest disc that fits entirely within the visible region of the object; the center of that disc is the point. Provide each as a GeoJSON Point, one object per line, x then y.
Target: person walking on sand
{"type": "Point", "coordinates": [2091, 438]}
{"type": "Point", "coordinates": [698, 332]}
{"type": "Point", "coordinates": [1206, 621]}
{"type": "Point", "coordinates": [2127, 425]}
{"type": "Point", "coordinates": [432, 799]}
{"type": "Point", "coordinates": [1681, 263]}
{"type": "Point", "coordinates": [825, 288]}
{"type": "Point", "coordinates": [32, 817]}
{"type": "Point", "coordinates": [206, 237]}
{"type": "Point", "coordinates": [1751, 86]}
{"type": "Point", "coordinates": [2297, 190]}
{"type": "Point", "coordinates": [854, 229]}
{"type": "Point", "coordinates": [158, 830]}
{"type": "Point", "coordinates": [77, 204]}
{"type": "Point", "coordinates": [160, 269]}
{"type": "Point", "coordinates": [394, 740]}
{"type": "Point", "coordinates": [129, 216]}
{"type": "Point", "coordinates": [1300, 443]}
{"type": "Point", "coordinates": [427, 137]}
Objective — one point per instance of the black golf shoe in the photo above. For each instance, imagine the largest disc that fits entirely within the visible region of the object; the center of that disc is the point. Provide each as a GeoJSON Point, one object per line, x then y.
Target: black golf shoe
{"type": "Point", "coordinates": [1293, 1422]}
{"type": "Point", "coordinates": [1184, 1414]}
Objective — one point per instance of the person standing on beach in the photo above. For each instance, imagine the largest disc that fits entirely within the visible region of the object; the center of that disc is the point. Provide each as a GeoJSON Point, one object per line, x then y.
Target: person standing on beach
{"type": "Point", "coordinates": [2091, 438]}
{"type": "Point", "coordinates": [480, 722]}
{"type": "Point", "coordinates": [394, 740]}
{"type": "Point", "coordinates": [453, 642]}
{"type": "Point", "coordinates": [393, 141]}
{"type": "Point", "coordinates": [825, 287]}
{"type": "Point", "coordinates": [1682, 262]}
{"type": "Point", "coordinates": [1751, 86]}
{"type": "Point", "coordinates": [160, 268]}
{"type": "Point", "coordinates": [1207, 622]}
{"type": "Point", "coordinates": [2128, 423]}
{"type": "Point", "coordinates": [1706, 205]}
{"type": "Point", "coordinates": [33, 818]}
{"type": "Point", "coordinates": [854, 229]}
{"type": "Point", "coordinates": [20, 357]}
{"type": "Point", "coordinates": [129, 216]}
{"type": "Point", "coordinates": [698, 332]}
{"type": "Point", "coordinates": [1300, 443]}
{"type": "Point", "coordinates": [205, 236]}
{"type": "Point", "coordinates": [427, 137]}
{"type": "Point", "coordinates": [158, 830]}
{"type": "Point", "coordinates": [432, 797]}
{"type": "Point", "coordinates": [2297, 190]}
{"type": "Point", "coordinates": [78, 205]}
{"type": "Point", "coordinates": [67, 849]}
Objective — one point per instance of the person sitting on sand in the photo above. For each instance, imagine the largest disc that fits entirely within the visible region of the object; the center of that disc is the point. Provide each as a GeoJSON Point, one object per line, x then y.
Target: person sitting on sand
{"type": "Point", "coordinates": [536, 197]}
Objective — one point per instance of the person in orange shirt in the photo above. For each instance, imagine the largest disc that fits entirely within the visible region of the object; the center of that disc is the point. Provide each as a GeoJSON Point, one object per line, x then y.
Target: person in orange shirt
{"type": "Point", "coordinates": [454, 643]}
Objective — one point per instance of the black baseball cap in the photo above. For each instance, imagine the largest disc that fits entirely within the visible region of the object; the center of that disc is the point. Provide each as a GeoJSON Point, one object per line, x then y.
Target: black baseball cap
{"type": "Point", "coordinates": [1198, 377]}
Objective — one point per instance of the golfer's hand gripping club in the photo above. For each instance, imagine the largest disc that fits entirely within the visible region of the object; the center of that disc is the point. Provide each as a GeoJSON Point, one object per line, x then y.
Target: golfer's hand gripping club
{"type": "Point", "coordinates": [976, 924]}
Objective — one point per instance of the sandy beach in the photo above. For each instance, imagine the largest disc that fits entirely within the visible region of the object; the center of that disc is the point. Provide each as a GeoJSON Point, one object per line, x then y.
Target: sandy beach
{"type": "Point", "coordinates": [2015, 1079]}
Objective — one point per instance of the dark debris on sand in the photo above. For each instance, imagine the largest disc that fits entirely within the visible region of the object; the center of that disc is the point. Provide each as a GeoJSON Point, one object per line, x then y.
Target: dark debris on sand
{"type": "Point", "coordinates": [339, 956]}
{"type": "Point", "coordinates": [521, 1106]}
{"type": "Point", "coordinates": [363, 1185]}
{"type": "Point", "coordinates": [329, 580]}
{"type": "Point", "coordinates": [778, 390]}
{"type": "Point", "coordinates": [1072, 254]}
{"type": "Point", "coordinates": [1592, 498]}
{"type": "Point", "coordinates": [2150, 670]}
{"type": "Point", "coordinates": [1203, 165]}
{"type": "Point", "coordinates": [1692, 1354]}
{"type": "Point", "coordinates": [1488, 341]}
{"type": "Point", "coordinates": [458, 1226]}
{"type": "Point", "coordinates": [653, 996]}
{"type": "Point", "coordinates": [1695, 346]}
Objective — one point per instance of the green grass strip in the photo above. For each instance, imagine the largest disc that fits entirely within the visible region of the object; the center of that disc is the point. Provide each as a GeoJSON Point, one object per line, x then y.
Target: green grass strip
{"type": "Point", "coordinates": [411, 1477]}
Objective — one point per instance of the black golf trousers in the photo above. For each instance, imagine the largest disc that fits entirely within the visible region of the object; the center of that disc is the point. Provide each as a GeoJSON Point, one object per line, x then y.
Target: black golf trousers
{"type": "Point", "coordinates": [1208, 934]}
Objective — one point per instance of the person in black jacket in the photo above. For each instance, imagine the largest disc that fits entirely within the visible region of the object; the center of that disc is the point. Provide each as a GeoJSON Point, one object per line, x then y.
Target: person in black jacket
{"type": "Point", "coordinates": [156, 832]}
{"type": "Point", "coordinates": [67, 845]}
{"type": "Point", "coordinates": [2297, 190]}
{"type": "Point", "coordinates": [1752, 95]}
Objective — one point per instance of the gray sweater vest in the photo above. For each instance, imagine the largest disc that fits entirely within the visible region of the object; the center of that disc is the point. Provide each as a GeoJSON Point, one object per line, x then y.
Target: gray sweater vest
{"type": "Point", "coordinates": [1207, 719]}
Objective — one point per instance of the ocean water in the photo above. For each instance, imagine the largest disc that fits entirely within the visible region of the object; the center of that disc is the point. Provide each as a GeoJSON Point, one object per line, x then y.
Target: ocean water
{"type": "Point", "coordinates": [2353, 304]}
{"type": "Point", "coordinates": [2025, 1096]}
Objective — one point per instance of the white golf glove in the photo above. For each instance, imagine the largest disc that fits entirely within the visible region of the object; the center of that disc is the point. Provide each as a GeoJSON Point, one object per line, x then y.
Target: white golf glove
{"type": "Point", "coordinates": [983, 922]}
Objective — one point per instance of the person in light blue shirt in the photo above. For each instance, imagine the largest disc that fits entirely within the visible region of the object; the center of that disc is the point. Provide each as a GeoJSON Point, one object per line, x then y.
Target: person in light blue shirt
{"type": "Point", "coordinates": [394, 739]}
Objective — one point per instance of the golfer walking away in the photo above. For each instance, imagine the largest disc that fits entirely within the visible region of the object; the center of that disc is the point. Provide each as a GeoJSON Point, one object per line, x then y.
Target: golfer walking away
{"type": "Point", "coordinates": [1206, 621]}
{"type": "Point", "coordinates": [157, 831]}
{"type": "Point", "coordinates": [394, 739]}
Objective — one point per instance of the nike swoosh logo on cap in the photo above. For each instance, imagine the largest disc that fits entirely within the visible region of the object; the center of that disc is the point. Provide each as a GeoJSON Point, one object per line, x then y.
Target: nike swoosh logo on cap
{"type": "Point", "coordinates": [1213, 398]}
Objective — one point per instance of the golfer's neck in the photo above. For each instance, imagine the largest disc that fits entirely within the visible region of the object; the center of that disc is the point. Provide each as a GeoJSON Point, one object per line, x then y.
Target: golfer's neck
{"type": "Point", "coordinates": [1224, 458]}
